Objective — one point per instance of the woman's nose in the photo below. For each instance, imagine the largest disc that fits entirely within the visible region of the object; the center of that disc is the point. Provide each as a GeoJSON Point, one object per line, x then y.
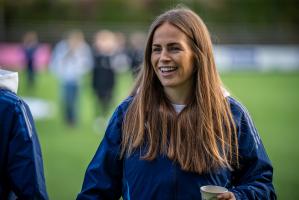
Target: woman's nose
{"type": "Point", "coordinates": [164, 55]}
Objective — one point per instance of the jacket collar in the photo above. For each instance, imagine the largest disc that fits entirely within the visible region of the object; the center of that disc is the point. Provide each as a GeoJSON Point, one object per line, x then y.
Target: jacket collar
{"type": "Point", "coordinates": [9, 80]}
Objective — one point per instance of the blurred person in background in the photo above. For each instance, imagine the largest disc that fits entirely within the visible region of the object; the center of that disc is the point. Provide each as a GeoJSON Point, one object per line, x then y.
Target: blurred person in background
{"type": "Point", "coordinates": [103, 76]}
{"type": "Point", "coordinates": [179, 130]}
{"type": "Point", "coordinates": [120, 60]}
{"type": "Point", "coordinates": [71, 60]}
{"type": "Point", "coordinates": [21, 164]}
{"type": "Point", "coordinates": [135, 51]}
{"type": "Point", "coordinates": [30, 45]}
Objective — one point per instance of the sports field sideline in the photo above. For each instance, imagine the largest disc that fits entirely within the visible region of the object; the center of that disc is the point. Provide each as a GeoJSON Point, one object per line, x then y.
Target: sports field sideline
{"type": "Point", "coordinates": [271, 98]}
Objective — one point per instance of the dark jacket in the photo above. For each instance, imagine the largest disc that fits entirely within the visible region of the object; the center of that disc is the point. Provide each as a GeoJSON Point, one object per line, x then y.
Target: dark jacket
{"type": "Point", "coordinates": [21, 166]}
{"type": "Point", "coordinates": [103, 77]}
{"type": "Point", "coordinates": [109, 177]}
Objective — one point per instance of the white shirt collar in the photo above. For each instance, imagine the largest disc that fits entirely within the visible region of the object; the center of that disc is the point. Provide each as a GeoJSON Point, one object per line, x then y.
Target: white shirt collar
{"type": "Point", "coordinates": [178, 107]}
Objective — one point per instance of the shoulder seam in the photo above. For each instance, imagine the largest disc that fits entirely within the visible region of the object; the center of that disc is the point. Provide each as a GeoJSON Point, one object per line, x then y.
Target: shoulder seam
{"type": "Point", "coordinates": [9, 96]}
{"type": "Point", "coordinates": [243, 109]}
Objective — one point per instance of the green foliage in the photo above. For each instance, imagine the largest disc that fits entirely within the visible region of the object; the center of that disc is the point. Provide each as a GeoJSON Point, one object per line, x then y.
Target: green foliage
{"type": "Point", "coordinates": [252, 11]}
{"type": "Point", "coordinates": [271, 98]}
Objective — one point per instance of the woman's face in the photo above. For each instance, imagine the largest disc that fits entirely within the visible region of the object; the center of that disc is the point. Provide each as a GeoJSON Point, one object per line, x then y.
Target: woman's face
{"type": "Point", "coordinates": [172, 58]}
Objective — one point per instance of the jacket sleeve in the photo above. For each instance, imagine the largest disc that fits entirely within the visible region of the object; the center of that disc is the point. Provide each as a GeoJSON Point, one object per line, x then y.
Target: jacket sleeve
{"type": "Point", "coordinates": [103, 177]}
{"type": "Point", "coordinates": [253, 179]}
{"type": "Point", "coordinates": [25, 165]}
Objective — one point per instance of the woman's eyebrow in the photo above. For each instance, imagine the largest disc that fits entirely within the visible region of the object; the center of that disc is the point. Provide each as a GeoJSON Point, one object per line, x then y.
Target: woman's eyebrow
{"type": "Point", "coordinates": [157, 45]}
{"type": "Point", "coordinates": [173, 43]}
{"type": "Point", "coordinates": [168, 44]}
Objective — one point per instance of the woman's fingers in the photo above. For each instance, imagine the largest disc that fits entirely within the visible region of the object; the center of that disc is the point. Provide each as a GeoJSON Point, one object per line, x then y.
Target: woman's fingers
{"type": "Point", "coordinates": [226, 196]}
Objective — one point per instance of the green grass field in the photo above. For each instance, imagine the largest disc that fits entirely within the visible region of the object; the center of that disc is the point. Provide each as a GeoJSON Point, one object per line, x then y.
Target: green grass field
{"type": "Point", "coordinates": [271, 98]}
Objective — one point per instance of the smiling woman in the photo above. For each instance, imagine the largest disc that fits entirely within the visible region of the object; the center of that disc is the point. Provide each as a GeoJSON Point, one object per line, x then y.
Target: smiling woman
{"type": "Point", "coordinates": [172, 59]}
{"type": "Point", "coordinates": [178, 130]}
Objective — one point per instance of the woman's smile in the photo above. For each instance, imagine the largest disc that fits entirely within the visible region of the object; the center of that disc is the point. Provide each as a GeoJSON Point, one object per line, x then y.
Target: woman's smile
{"type": "Point", "coordinates": [168, 70]}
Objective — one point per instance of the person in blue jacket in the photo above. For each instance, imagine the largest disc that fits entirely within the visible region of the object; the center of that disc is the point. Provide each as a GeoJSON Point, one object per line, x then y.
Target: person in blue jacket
{"type": "Point", "coordinates": [179, 130]}
{"type": "Point", "coordinates": [21, 165]}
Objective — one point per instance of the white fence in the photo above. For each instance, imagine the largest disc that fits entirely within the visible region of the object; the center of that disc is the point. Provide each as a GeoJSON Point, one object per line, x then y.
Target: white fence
{"type": "Point", "coordinates": [256, 57]}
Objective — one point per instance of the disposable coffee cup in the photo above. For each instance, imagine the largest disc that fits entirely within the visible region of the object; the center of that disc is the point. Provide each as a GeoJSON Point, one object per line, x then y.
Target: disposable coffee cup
{"type": "Point", "coordinates": [210, 192]}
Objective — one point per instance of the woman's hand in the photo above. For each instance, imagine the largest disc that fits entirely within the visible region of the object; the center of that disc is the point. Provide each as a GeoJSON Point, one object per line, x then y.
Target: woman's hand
{"type": "Point", "coordinates": [226, 196]}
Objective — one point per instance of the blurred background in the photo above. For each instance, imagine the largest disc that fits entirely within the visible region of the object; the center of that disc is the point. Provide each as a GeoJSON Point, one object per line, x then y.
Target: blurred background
{"type": "Point", "coordinates": [256, 50]}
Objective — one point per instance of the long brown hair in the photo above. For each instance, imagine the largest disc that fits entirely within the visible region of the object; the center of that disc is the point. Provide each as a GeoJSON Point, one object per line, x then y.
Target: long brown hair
{"type": "Point", "coordinates": [201, 138]}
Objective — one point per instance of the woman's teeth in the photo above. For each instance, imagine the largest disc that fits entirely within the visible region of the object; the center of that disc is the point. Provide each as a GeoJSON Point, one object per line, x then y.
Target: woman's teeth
{"type": "Point", "coordinates": [167, 69]}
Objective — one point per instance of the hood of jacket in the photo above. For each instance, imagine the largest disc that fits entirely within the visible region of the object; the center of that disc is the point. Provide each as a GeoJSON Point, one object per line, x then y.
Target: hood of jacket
{"type": "Point", "coordinates": [9, 80]}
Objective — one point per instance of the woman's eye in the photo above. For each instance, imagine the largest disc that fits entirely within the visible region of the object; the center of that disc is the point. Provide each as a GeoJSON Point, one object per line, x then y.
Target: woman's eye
{"type": "Point", "coordinates": [175, 49]}
{"type": "Point", "coordinates": [156, 49]}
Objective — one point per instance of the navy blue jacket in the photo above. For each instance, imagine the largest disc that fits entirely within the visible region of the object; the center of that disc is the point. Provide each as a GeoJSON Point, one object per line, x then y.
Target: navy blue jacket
{"type": "Point", "coordinates": [21, 166]}
{"type": "Point", "coordinates": [109, 177]}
